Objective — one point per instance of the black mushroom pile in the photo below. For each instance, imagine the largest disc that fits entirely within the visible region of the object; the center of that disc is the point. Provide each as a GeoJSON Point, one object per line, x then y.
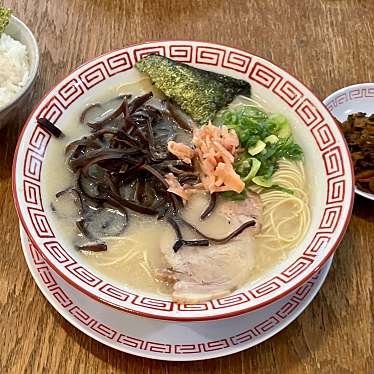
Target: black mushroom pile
{"type": "Point", "coordinates": [121, 165]}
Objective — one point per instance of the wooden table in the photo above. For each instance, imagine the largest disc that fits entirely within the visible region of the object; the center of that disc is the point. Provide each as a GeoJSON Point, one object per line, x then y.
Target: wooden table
{"type": "Point", "coordinates": [328, 45]}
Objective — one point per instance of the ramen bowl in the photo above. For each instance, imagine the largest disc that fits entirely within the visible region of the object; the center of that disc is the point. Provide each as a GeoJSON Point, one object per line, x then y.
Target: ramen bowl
{"type": "Point", "coordinates": [327, 164]}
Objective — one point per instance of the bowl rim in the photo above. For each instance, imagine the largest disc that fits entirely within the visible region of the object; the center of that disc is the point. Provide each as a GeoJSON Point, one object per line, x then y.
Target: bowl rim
{"type": "Point", "coordinates": [34, 65]}
{"type": "Point", "coordinates": [340, 91]}
{"type": "Point", "coordinates": [315, 268]}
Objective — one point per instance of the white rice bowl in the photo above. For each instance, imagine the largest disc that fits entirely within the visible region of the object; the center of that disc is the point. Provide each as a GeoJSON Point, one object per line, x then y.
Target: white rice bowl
{"type": "Point", "coordinates": [14, 70]}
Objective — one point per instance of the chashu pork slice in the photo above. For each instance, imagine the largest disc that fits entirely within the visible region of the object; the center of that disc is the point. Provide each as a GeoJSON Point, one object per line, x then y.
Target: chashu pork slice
{"type": "Point", "coordinates": [204, 273]}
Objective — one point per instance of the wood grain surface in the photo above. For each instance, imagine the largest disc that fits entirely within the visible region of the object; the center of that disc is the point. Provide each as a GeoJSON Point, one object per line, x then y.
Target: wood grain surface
{"type": "Point", "coordinates": [326, 44]}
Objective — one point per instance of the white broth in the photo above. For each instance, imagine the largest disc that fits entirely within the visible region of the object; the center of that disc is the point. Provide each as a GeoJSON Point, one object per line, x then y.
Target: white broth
{"type": "Point", "coordinates": [134, 257]}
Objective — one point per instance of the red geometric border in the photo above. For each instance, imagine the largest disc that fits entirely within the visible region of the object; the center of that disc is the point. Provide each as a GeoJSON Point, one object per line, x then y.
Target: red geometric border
{"type": "Point", "coordinates": [111, 334]}
{"type": "Point", "coordinates": [70, 92]}
{"type": "Point", "coordinates": [355, 93]}
{"type": "Point", "coordinates": [139, 53]}
{"type": "Point", "coordinates": [181, 53]}
{"type": "Point", "coordinates": [288, 92]}
{"type": "Point", "coordinates": [237, 61]}
{"type": "Point", "coordinates": [265, 76]}
{"type": "Point", "coordinates": [39, 141]}
{"type": "Point", "coordinates": [308, 113]}
{"type": "Point", "coordinates": [210, 55]}
{"type": "Point", "coordinates": [118, 63]}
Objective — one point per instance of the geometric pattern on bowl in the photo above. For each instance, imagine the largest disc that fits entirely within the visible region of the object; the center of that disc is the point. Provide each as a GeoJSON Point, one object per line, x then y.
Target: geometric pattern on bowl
{"type": "Point", "coordinates": [325, 139]}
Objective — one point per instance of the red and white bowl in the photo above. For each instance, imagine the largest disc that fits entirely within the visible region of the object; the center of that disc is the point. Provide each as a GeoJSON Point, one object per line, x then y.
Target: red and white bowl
{"type": "Point", "coordinates": [19, 31]}
{"type": "Point", "coordinates": [348, 100]}
{"type": "Point", "coordinates": [164, 340]}
{"type": "Point", "coordinates": [327, 162]}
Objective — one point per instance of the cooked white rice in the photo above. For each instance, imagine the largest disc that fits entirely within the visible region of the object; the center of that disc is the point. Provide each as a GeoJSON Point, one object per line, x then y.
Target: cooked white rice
{"type": "Point", "coordinates": [14, 68]}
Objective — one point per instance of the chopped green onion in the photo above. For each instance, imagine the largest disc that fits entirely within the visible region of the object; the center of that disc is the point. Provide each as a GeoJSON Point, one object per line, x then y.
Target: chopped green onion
{"type": "Point", "coordinates": [272, 139]}
{"type": "Point", "coordinates": [267, 139]}
{"type": "Point", "coordinates": [262, 181]}
{"type": "Point", "coordinates": [256, 164]}
{"type": "Point", "coordinates": [259, 147]}
{"type": "Point", "coordinates": [284, 129]}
